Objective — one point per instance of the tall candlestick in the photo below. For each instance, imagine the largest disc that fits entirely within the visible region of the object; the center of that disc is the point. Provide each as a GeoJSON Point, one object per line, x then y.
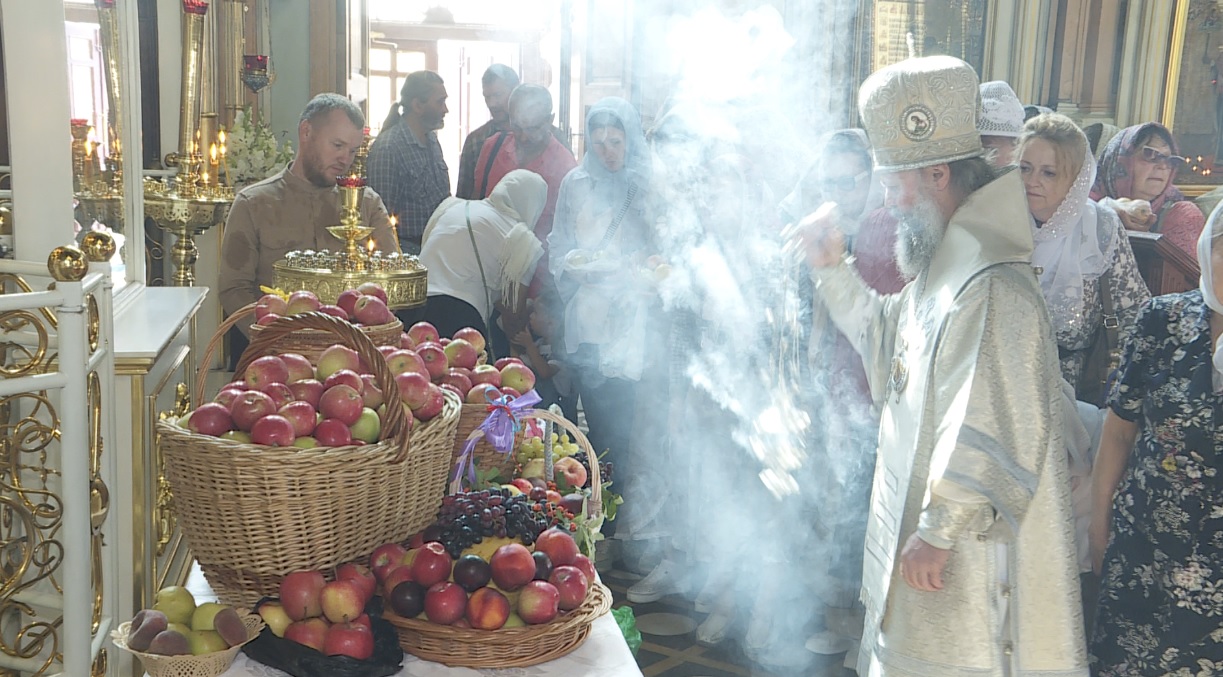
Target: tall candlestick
{"type": "Point", "coordinates": [88, 162]}
{"type": "Point", "coordinates": [212, 164]}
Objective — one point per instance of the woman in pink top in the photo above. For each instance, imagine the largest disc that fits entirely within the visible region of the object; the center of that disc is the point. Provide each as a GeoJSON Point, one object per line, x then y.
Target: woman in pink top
{"type": "Point", "coordinates": [1140, 163]}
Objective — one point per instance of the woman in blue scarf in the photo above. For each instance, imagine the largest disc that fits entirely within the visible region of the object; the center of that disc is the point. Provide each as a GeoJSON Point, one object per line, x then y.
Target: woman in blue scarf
{"type": "Point", "coordinates": [598, 240]}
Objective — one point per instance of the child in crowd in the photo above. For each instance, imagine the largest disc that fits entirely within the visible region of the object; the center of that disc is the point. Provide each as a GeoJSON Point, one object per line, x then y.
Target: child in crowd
{"type": "Point", "coordinates": [534, 345]}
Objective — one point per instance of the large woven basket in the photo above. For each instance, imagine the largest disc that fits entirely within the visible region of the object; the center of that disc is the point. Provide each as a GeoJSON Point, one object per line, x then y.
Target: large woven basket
{"type": "Point", "coordinates": [312, 342]}
{"type": "Point", "coordinates": [204, 665]}
{"type": "Point", "coordinates": [504, 648]}
{"type": "Point", "coordinates": [253, 514]}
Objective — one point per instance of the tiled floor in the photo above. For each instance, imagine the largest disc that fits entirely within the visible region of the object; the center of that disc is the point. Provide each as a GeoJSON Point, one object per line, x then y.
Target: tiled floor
{"type": "Point", "coordinates": [679, 655]}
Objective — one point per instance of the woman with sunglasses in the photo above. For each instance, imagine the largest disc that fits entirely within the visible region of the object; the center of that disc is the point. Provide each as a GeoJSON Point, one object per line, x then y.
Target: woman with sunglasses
{"type": "Point", "coordinates": [1086, 267]}
{"type": "Point", "coordinates": [1141, 163]}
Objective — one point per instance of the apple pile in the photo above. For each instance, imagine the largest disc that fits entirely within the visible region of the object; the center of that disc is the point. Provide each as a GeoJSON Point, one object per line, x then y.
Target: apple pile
{"type": "Point", "coordinates": [364, 306]}
{"type": "Point", "coordinates": [328, 617]}
{"type": "Point", "coordinates": [177, 626]}
{"type": "Point", "coordinates": [512, 588]}
{"type": "Point", "coordinates": [454, 364]}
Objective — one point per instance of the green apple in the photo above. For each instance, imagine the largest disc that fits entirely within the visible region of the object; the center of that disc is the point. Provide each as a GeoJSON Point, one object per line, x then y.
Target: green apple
{"type": "Point", "coordinates": [204, 616]}
{"type": "Point", "coordinates": [514, 621]}
{"type": "Point", "coordinates": [305, 442]}
{"type": "Point", "coordinates": [183, 629]}
{"type": "Point", "coordinates": [205, 641]}
{"type": "Point", "coordinates": [533, 468]}
{"type": "Point", "coordinates": [237, 436]}
{"type": "Point", "coordinates": [176, 603]}
{"type": "Point", "coordinates": [368, 426]}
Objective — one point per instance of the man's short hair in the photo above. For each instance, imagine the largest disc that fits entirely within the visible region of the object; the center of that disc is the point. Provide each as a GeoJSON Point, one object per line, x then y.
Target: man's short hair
{"type": "Point", "coordinates": [531, 97]}
{"type": "Point", "coordinates": [500, 72]}
{"type": "Point", "coordinates": [322, 105]}
{"type": "Point", "coordinates": [970, 175]}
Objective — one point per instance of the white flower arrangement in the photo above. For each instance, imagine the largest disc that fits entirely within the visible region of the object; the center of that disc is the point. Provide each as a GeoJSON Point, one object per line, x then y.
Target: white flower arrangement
{"type": "Point", "coordinates": [253, 152]}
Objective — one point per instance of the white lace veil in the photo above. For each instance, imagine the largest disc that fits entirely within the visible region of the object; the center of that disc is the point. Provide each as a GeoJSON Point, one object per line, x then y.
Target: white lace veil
{"type": "Point", "coordinates": [1207, 285]}
{"type": "Point", "coordinates": [1068, 250]}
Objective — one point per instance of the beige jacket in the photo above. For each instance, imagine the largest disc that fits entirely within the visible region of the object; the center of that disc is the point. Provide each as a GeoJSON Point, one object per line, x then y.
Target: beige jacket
{"type": "Point", "coordinates": [964, 365]}
{"type": "Point", "coordinates": [278, 215]}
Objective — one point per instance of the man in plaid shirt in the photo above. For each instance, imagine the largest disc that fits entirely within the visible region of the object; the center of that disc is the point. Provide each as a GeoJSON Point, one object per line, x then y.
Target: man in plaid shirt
{"type": "Point", "coordinates": [405, 165]}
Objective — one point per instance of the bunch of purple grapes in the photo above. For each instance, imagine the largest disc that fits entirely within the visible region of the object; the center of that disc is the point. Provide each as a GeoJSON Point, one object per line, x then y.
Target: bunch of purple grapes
{"type": "Point", "coordinates": [468, 518]}
{"type": "Point", "coordinates": [605, 468]}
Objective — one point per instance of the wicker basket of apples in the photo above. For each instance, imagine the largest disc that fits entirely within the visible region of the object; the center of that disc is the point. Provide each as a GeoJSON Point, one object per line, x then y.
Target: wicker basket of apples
{"type": "Point", "coordinates": [303, 466]}
{"type": "Point", "coordinates": [364, 307]}
{"type": "Point", "coordinates": [458, 365]}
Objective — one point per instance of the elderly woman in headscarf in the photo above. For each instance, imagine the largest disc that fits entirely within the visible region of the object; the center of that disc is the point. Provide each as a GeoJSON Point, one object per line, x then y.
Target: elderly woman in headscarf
{"type": "Point", "coordinates": [599, 234]}
{"type": "Point", "coordinates": [1135, 178]}
{"type": "Point", "coordinates": [481, 254]}
{"type": "Point", "coordinates": [1157, 527]}
{"type": "Point", "coordinates": [1082, 256]}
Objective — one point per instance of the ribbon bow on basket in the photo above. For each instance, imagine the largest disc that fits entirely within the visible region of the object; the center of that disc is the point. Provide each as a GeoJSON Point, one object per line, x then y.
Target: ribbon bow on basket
{"type": "Point", "coordinates": [499, 429]}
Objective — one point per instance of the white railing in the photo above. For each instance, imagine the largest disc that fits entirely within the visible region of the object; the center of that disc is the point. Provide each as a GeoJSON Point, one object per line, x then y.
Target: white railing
{"type": "Point", "coordinates": [56, 413]}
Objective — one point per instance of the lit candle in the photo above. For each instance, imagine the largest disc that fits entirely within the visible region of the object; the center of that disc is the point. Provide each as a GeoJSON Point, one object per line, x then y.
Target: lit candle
{"type": "Point", "coordinates": [204, 178]}
{"type": "Point", "coordinates": [224, 162]}
{"type": "Point", "coordinates": [88, 160]}
{"type": "Point", "coordinates": [212, 155]}
{"type": "Point", "coordinates": [370, 246]}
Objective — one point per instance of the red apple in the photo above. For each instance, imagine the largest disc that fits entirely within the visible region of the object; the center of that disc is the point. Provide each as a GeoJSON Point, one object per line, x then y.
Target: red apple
{"type": "Point", "coordinates": [572, 469]}
{"type": "Point", "coordinates": [346, 377]}
{"type": "Point", "coordinates": [513, 394]}
{"type": "Point", "coordinates": [299, 367]}
{"type": "Point", "coordinates": [363, 619]}
{"type": "Point", "coordinates": [460, 353]}
{"type": "Point", "coordinates": [422, 332]}
{"type": "Point", "coordinates": [331, 432]}
{"type": "Point", "coordinates": [571, 585]}
{"type": "Point", "coordinates": [523, 484]}
{"type": "Point", "coordinates": [299, 593]}
{"type": "Point", "coordinates": [311, 632]}
{"type": "Point", "coordinates": [335, 358]}
{"type": "Point", "coordinates": [307, 390]}
{"type": "Point", "coordinates": [472, 336]}
{"type": "Point", "coordinates": [403, 361]}
{"type": "Point", "coordinates": [518, 376]}
{"type": "Point", "coordinates": [371, 311]}
{"type": "Point", "coordinates": [268, 319]}
{"type": "Point", "coordinates": [482, 393]}
{"type": "Point", "coordinates": [346, 300]}
{"type": "Point", "coordinates": [432, 564]}
{"type": "Point", "coordinates": [342, 601]}
{"type": "Point", "coordinates": [386, 351]}
{"type": "Point", "coordinates": [512, 566]}
{"type": "Point", "coordinates": [384, 558]}
{"type": "Point", "coordinates": [437, 402]}
{"type": "Point", "coordinates": [558, 545]}
{"type": "Point", "coordinates": [249, 407]}
{"type": "Point", "coordinates": [270, 303]}
{"type": "Point", "coordinates": [373, 289]}
{"type": "Point", "coordinates": [487, 609]}
{"type": "Point", "coordinates": [445, 603]}
{"type": "Point", "coordinates": [341, 402]}
{"type": "Point", "coordinates": [406, 341]}
{"type": "Point", "coordinates": [240, 385]}
{"type": "Point", "coordinates": [302, 302]}
{"type": "Point", "coordinates": [554, 497]}
{"type": "Point", "coordinates": [273, 430]}
{"type": "Point", "coordinates": [280, 393]}
{"type": "Point", "coordinates": [459, 380]}
{"type": "Point", "coordinates": [413, 389]}
{"type": "Point", "coordinates": [434, 357]}
{"type": "Point", "coordinates": [400, 573]}
{"type": "Point", "coordinates": [486, 373]}
{"type": "Point", "coordinates": [264, 370]}
{"type": "Point", "coordinates": [583, 564]}
{"type": "Point", "coordinates": [334, 311]}
{"type": "Point", "coordinates": [538, 602]}
{"type": "Point", "coordinates": [360, 575]}
{"type": "Point", "coordinates": [444, 341]}
{"type": "Point", "coordinates": [454, 389]}
{"type": "Point", "coordinates": [349, 639]}
{"type": "Point", "coordinates": [210, 419]}
{"type": "Point", "coordinates": [371, 394]}
{"type": "Point", "coordinates": [301, 415]}
{"type": "Point", "coordinates": [500, 364]}
{"type": "Point", "coordinates": [227, 395]}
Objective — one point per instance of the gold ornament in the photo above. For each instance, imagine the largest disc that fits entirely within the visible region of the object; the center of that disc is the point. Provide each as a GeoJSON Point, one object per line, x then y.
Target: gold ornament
{"type": "Point", "coordinates": [99, 247]}
{"type": "Point", "coordinates": [67, 264]}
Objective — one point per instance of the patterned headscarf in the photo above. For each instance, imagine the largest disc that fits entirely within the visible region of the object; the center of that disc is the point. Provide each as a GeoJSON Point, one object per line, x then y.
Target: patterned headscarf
{"type": "Point", "coordinates": [1114, 178]}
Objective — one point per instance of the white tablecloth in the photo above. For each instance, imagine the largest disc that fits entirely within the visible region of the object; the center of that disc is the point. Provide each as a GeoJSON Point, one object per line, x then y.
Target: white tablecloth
{"type": "Point", "coordinates": [603, 654]}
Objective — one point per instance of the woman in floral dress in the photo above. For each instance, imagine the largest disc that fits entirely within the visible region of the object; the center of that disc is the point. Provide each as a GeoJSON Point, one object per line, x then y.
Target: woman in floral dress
{"type": "Point", "coordinates": [1157, 528]}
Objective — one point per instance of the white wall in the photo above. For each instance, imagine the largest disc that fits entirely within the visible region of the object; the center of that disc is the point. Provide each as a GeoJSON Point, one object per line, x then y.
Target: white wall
{"type": "Point", "coordinates": [291, 62]}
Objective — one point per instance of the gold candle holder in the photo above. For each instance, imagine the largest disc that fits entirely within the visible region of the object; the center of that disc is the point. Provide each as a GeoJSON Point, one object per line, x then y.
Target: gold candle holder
{"type": "Point", "coordinates": [351, 230]}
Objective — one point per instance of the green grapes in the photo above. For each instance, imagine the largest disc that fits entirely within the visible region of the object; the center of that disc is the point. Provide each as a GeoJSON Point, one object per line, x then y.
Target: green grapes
{"type": "Point", "coordinates": [533, 447]}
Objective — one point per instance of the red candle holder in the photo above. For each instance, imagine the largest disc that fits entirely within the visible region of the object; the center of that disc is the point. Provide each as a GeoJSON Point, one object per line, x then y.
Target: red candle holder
{"type": "Point", "coordinates": [350, 182]}
{"type": "Point", "coordinates": [195, 6]}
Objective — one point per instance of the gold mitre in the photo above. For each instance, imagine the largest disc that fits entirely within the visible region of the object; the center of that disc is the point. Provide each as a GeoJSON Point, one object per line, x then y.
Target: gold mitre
{"type": "Point", "coordinates": [921, 112]}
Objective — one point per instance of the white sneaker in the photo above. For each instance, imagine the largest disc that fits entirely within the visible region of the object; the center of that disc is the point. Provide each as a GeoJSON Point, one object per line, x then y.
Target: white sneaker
{"type": "Point", "coordinates": [662, 581]}
{"type": "Point", "coordinates": [828, 643]}
{"type": "Point", "coordinates": [716, 587]}
{"type": "Point", "coordinates": [716, 627]}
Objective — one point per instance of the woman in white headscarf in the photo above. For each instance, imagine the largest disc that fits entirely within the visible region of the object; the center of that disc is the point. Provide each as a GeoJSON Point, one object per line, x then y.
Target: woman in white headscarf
{"type": "Point", "coordinates": [482, 253]}
{"type": "Point", "coordinates": [1157, 527]}
{"type": "Point", "coordinates": [1082, 255]}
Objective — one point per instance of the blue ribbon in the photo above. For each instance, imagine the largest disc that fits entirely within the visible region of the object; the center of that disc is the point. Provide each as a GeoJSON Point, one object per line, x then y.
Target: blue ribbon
{"type": "Point", "coordinates": [499, 428]}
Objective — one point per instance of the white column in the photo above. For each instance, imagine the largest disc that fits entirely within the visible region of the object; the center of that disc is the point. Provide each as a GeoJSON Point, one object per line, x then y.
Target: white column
{"type": "Point", "coordinates": [1016, 46]}
{"type": "Point", "coordinates": [169, 70]}
{"type": "Point", "coordinates": [128, 54]}
{"type": "Point", "coordinates": [36, 78]}
{"type": "Point", "coordinates": [1144, 61]}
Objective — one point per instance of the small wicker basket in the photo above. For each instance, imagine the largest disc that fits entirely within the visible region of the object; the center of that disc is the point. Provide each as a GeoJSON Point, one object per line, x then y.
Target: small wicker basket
{"type": "Point", "coordinates": [204, 665]}
{"type": "Point", "coordinates": [485, 455]}
{"type": "Point", "coordinates": [504, 648]}
{"type": "Point", "coordinates": [253, 514]}
{"type": "Point", "coordinates": [311, 342]}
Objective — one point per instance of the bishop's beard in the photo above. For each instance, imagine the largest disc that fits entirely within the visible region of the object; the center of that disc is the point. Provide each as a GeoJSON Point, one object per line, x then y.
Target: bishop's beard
{"type": "Point", "coordinates": [918, 236]}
